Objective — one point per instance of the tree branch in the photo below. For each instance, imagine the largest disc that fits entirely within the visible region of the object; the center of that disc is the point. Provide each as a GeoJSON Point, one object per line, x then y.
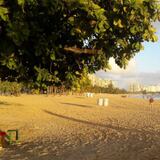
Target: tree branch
{"type": "Point", "coordinates": [81, 51]}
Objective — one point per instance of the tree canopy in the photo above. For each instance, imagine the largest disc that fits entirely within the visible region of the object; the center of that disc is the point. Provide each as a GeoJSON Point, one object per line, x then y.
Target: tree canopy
{"type": "Point", "coordinates": [56, 41]}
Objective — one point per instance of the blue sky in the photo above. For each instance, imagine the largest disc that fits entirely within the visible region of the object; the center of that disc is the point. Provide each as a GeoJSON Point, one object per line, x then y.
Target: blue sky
{"type": "Point", "coordinates": [148, 60]}
{"type": "Point", "coordinates": [144, 68]}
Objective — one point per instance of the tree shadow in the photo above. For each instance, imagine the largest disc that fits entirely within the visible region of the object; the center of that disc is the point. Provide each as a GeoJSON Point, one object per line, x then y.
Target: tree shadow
{"type": "Point", "coordinates": [28, 151]}
{"type": "Point", "coordinates": [126, 143]}
{"type": "Point", "coordinates": [106, 126]}
{"type": "Point", "coordinates": [117, 147]}
{"type": "Point", "coordinates": [81, 97]}
{"type": "Point", "coordinates": [77, 105]}
{"type": "Point", "coordinates": [3, 103]}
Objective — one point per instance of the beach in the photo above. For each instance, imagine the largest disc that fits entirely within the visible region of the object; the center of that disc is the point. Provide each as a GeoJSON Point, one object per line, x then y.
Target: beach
{"type": "Point", "coordinates": [75, 128]}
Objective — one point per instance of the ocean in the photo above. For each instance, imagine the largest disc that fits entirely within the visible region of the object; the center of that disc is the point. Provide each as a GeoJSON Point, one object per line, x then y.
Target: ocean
{"type": "Point", "coordinates": [155, 96]}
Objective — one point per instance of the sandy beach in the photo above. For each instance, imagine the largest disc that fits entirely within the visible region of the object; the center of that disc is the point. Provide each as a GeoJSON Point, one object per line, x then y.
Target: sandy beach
{"type": "Point", "coordinates": [76, 128]}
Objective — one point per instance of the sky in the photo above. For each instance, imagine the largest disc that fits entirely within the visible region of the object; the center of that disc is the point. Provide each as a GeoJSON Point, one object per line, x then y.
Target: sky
{"type": "Point", "coordinates": [144, 68]}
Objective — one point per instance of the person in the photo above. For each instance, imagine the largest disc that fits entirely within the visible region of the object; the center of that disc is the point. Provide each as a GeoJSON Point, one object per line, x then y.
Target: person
{"type": "Point", "coordinates": [2, 139]}
{"type": "Point", "coordinates": [151, 100]}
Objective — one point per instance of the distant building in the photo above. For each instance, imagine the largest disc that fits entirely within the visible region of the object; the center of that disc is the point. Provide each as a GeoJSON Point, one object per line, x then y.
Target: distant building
{"type": "Point", "coordinates": [136, 87]}
{"type": "Point", "coordinates": [152, 88]}
{"type": "Point", "coordinates": [96, 81]}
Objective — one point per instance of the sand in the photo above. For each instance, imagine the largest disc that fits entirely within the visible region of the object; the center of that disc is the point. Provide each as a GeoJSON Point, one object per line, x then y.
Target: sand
{"type": "Point", "coordinates": [75, 128]}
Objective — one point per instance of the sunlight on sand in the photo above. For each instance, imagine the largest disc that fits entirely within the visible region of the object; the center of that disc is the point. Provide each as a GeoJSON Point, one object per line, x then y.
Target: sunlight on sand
{"type": "Point", "coordinates": [75, 128]}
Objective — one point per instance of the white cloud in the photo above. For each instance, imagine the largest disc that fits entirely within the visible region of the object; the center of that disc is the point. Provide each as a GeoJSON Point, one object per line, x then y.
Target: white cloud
{"type": "Point", "coordinates": [123, 80]}
{"type": "Point", "coordinates": [157, 25]}
{"type": "Point", "coordinates": [130, 75]}
{"type": "Point", "coordinates": [131, 67]}
{"type": "Point", "coordinates": [118, 74]}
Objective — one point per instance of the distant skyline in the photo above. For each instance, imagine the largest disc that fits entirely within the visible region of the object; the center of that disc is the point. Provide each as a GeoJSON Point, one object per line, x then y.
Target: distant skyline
{"type": "Point", "coordinates": [143, 68]}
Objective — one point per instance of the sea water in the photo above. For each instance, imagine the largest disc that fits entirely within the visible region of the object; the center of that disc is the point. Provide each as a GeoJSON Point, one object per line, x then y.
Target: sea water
{"type": "Point", "coordinates": [155, 96]}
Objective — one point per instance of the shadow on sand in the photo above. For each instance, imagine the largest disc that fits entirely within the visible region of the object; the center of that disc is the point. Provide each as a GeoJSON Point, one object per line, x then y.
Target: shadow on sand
{"type": "Point", "coordinates": [77, 105]}
{"type": "Point", "coordinates": [3, 103]}
{"type": "Point", "coordinates": [108, 126]}
{"type": "Point", "coordinates": [81, 97]}
{"type": "Point", "coordinates": [117, 144]}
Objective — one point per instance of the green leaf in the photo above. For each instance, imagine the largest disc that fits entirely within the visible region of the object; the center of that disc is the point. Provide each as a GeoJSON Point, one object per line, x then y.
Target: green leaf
{"type": "Point", "coordinates": [52, 56]}
{"type": "Point", "coordinates": [55, 73]}
{"type": "Point", "coordinates": [154, 38]}
{"type": "Point", "coordinates": [4, 13]}
{"type": "Point", "coordinates": [21, 2]}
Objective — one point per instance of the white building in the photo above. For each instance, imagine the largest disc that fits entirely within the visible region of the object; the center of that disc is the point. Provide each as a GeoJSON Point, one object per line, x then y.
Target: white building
{"type": "Point", "coordinates": [96, 81]}
{"type": "Point", "coordinates": [136, 87]}
{"type": "Point", "coordinates": [152, 88]}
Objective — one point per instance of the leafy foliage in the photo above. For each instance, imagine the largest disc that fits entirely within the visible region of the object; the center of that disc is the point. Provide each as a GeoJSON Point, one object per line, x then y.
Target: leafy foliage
{"type": "Point", "coordinates": [35, 35]}
{"type": "Point", "coordinates": [78, 84]}
{"type": "Point", "coordinates": [10, 88]}
{"type": "Point", "coordinates": [109, 89]}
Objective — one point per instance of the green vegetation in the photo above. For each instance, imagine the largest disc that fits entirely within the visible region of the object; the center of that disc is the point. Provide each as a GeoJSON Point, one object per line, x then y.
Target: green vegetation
{"type": "Point", "coordinates": [10, 88]}
{"type": "Point", "coordinates": [110, 89]}
{"type": "Point", "coordinates": [55, 42]}
{"type": "Point", "coordinates": [78, 86]}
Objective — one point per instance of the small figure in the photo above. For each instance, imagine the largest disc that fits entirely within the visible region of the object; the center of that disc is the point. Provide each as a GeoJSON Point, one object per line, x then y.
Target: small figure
{"type": "Point", "coordinates": [2, 139]}
{"type": "Point", "coordinates": [151, 100]}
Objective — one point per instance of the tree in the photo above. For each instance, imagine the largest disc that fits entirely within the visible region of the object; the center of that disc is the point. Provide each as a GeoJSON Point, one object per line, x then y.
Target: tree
{"type": "Point", "coordinates": [51, 41]}
{"type": "Point", "coordinates": [144, 92]}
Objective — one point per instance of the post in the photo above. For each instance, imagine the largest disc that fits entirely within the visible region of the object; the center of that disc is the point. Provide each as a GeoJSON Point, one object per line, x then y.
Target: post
{"type": "Point", "coordinates": [10, 132]}
{"type": "Point", "coordinates": [100, 102]}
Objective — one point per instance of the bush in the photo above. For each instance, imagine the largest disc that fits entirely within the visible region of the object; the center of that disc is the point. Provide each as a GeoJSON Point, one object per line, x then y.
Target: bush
{"type": "Point", "coordinates": [10, 88]}
{"type": "Point", "coordinates": [110, 89]}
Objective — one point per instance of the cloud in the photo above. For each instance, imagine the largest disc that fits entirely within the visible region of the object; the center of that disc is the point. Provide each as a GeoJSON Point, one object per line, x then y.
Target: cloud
{"type": "Point", "coordinates": [124, 78]}
{"type": "Point", "coordinates": [117, 74]}
{"type": "Point", "coordinates": [131, 67]}
{"type": "Point", "coordinates": [157, 25]}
